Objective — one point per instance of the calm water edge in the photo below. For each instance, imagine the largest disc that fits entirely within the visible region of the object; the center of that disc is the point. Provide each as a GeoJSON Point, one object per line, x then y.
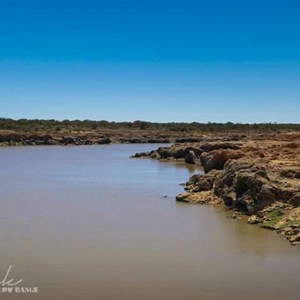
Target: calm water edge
{"type": "Point", "coordinates": [90, 223]}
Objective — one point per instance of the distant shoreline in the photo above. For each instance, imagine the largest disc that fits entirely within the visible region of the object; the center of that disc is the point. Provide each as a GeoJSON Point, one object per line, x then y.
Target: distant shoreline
{"type": "Point", "coordinates": [24, 132]}
{"type": "Point", "coordinates": [75, 139]}
{"type": "Point", "coordinates": [32, 126]}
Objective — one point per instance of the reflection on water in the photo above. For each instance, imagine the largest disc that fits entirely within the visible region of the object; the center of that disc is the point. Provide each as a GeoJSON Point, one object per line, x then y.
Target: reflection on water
{"type": "Point", "coordinates": [90, 223]}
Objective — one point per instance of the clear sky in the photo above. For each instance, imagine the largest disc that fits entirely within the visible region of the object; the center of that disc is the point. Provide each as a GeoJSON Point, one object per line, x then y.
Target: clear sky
{"type": "Point", "coordinates": [154, 60]}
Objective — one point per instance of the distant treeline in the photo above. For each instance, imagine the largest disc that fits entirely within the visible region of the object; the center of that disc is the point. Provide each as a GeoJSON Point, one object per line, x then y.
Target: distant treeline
{"type": "Point", "coordinates": [25, 125]}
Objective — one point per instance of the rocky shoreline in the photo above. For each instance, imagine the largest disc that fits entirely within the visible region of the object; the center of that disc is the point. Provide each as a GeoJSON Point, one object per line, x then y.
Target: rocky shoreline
{"type": "Point", "coordinates": [255, 175]}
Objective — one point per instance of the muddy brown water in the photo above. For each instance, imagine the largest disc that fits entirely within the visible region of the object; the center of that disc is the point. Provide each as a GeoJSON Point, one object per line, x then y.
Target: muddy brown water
{"type": "Point", "coordinates": [89, 223]}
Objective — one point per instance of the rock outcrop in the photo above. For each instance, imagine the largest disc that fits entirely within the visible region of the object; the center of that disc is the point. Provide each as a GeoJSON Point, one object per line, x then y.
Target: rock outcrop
{"type": "Point", "coordinates": [255, 178]}
{"type": "Point", "coordinates": [216, 159]}
{"type": "Point", "coordinates": [209, 155]}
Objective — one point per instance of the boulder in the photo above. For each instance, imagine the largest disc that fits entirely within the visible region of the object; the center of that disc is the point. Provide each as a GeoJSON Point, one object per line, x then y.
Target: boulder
{"type": "Point", "coordinates": [191, 158]}
{"type": "Point", "coordinates": [178, 152]}
{"type": "Point", "coordinates": [212, 161]}
{"type": "Point", "coordinates": [245, 186]}
{"type": "Point", "coordinates": [183, 197]}
{"type": "Point", "coordinates": [254, 219]}
{"type": "Point", "coordinates": [205, 182]}
{"type": "Point", "coordinates": [216, 159]}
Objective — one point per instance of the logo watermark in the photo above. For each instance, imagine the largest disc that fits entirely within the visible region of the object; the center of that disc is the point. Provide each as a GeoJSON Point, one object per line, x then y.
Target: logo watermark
{"type": "Point", "coordinates": [10, 285]}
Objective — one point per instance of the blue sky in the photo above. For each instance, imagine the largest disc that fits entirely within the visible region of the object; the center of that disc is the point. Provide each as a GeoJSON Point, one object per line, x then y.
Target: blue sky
{"type": "Point", "coordinates": [214, 60]}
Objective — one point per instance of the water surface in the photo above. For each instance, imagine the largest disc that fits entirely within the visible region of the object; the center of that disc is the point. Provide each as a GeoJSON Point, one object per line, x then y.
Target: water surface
{"type": "Point", "coordinates": [89, 223]}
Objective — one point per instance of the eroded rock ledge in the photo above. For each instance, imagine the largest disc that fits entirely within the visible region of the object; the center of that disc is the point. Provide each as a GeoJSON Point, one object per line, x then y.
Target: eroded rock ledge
{"type": "Point", "coordinates": [257, 178]}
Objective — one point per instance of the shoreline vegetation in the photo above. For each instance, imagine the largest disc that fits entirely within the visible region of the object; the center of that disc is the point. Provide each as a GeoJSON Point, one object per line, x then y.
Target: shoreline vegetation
{"type": "Point", "coordinates": [251, 169]}
{"type": "Point", "coordinates": [24, 132]}
{"type": "Point", "coordinates": [254, 174]}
